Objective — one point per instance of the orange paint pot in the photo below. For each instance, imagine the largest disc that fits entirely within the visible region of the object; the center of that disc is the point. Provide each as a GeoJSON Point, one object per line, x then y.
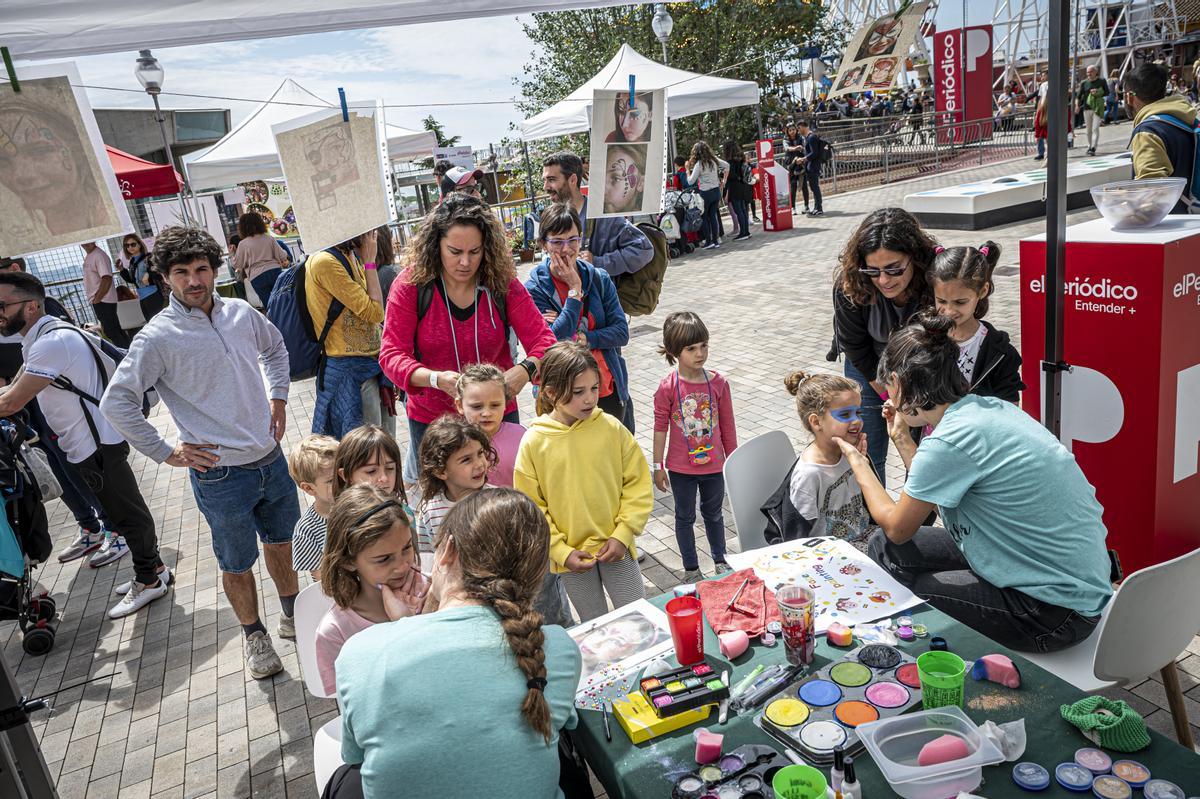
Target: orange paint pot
{"type": "Point", "coordinates": [854, 712]}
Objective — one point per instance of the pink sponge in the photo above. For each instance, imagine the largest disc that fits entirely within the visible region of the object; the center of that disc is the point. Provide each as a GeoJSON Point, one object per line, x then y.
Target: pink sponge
{"type": "Point", "coordinates": [708, 745]}
{"type": "Point", "coordinates": [998, 669]}
{"type": "Point", "coordinates": [839, 634]}
{"type": "Point", "coordinates": [941, 750]}
{"type": "Point", "coordinates": [733, 643]}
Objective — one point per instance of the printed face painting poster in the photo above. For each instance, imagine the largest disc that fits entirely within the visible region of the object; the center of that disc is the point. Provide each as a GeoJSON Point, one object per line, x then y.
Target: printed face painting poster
{"type": "Point", "coordinates": [57, 185]}
{"type": "Point", "coordinates": [875, 56]}
{"type": "Point", "coordinates": [270, 200]}
{"type": "Point", "coordinates": [628, 152]}
{"type": "Point", "coordinates": [335, 173]}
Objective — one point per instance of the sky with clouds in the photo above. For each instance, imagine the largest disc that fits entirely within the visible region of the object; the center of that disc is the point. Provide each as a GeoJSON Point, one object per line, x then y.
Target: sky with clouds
{"type": "Point", "coordinates": [443, 62]}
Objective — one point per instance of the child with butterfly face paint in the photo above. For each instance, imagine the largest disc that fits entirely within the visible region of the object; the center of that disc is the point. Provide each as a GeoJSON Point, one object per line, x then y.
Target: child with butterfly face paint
{"type": "Point", "coordinates": [624, 178]}
{"type": "Point", "coordinates": [822, 488]}
{"type": "Point", "coordinates": [961, 280]}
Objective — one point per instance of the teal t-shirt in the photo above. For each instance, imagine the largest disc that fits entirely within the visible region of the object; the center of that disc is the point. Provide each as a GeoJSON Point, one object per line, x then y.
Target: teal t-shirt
{"type": "Point", "coordinates": [1016, 503]}
{"type": "Point", "coordinates": [431, 706]}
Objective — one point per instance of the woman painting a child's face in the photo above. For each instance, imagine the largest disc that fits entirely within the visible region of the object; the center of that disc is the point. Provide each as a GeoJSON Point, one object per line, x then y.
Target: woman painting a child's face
{"type": "Point", "coordinates": [624, 178]}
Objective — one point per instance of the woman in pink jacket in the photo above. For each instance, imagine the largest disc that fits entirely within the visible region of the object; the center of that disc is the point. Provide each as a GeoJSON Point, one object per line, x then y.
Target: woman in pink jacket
{"type": "Point", "coordinates": [454, 304]}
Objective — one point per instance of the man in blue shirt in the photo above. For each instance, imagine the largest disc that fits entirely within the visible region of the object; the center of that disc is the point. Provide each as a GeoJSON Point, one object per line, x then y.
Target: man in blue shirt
{"type": "Point", "coordinates": [814, 154]}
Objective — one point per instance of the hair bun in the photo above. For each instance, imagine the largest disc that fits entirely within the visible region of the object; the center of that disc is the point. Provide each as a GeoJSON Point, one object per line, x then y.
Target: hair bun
{"type": "Point", "coordinates": [937, 327]}
{"type": "Point", "coordinates": [793, 381]}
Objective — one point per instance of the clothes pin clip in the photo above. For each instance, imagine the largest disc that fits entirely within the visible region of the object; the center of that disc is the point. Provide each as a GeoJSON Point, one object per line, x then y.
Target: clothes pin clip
{"type": "Point", "coordinates": [632, 99]}
{"type": "Point", "coordinates": [16, 84]}
{"type": "Point", "coordinates": [342, 99]}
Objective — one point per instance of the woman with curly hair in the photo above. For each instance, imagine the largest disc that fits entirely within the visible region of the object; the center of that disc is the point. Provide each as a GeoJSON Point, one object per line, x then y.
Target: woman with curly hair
{"type": "Point", "coordinates": [880, 282]}
{"type": "Point", "coordinates": [455, 304]}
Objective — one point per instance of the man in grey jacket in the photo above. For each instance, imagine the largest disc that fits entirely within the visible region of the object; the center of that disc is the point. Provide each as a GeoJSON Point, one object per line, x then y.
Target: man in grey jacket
{"type": "Point", "coordinates": [612, 243]}
{"type": "Point", "coordinates": [203, 354]}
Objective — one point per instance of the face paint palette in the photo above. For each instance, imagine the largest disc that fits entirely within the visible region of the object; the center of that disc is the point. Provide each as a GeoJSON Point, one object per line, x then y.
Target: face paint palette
{"type": "Point", "coordinates": [822, 710]}
{"type": "Point", "coordinates": [683, 689]}
{"type": "Point", "coordinates": [744, 773]}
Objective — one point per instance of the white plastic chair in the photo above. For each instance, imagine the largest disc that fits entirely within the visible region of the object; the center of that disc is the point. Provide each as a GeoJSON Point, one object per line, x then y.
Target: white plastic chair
{"type": "Point", "coordinates": [311, 605]}
{"type": "Point", "coordinates": [1149, 620]}
{"type": "Point", "coordinates": [752, 473]}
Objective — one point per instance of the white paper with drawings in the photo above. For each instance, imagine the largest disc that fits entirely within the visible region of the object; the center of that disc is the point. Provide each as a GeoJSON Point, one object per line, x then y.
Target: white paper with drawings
{"type": "Point", "coordinates": [850, 587]}
{"type": "Point", "coordinates": [616, 644]}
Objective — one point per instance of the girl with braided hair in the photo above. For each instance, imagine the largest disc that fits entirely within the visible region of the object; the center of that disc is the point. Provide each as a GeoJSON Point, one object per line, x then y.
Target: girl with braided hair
{"type": "Point", "coordinates": [481, 678]}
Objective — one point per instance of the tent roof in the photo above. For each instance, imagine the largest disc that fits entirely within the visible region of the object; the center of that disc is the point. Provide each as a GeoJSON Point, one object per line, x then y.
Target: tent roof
{"type": "Point", "coordinates": [36, 29]}
{"type": "Point", "coordinates": [138, 177]}
{"type": "Point", "coordinates": [687, 93]}
{"type": "Point", "coordinates": [248, 151]}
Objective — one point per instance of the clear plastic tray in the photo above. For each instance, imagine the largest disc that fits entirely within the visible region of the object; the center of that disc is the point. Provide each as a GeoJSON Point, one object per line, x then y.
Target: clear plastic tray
{"type": "Point", "coordinates": [895, 742]}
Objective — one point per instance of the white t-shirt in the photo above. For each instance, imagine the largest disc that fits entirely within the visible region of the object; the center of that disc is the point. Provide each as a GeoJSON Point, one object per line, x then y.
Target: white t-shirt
{"type": "Point", "coordinates": [97, 264]}
{"type": "Point", "coordinates": [968, 352]}
{"type": "Point", "coordinates": [830, 498]}
{"type": "Point", "coordinates": [65, 352]}
{"type": "Point", "coordinates": [1042, 90]}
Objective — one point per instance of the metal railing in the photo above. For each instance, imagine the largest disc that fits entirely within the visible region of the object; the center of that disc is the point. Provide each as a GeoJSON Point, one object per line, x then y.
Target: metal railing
{"type": "Point", "coordinates": [70, 293]}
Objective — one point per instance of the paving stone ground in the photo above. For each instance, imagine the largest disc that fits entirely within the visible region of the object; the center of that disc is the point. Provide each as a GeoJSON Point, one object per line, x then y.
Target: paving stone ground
{"type": "Point", "coordinates": [181, 717]}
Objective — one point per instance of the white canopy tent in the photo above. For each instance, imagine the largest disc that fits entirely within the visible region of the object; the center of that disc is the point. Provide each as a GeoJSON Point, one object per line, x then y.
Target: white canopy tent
{"type": "Point", "coordinates": [687, 93]}
{"type": "Point", "coordinates": [37, 29]}
{"type": "Point", "coordinates": [248, 151]}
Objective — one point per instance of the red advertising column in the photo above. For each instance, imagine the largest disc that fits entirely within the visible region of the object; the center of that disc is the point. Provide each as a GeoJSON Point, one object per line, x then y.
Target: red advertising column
{"type": "Point", "coordinates": [772, 188]}
{"type": "Point", "coordinates": [962, 98]}
{"type": "Point", "coordinates": [1131, 404]}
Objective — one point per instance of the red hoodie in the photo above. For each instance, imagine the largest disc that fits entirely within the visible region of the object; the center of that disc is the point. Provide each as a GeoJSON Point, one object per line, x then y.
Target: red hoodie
{"type": "Point", "coordinates": [480, 339]}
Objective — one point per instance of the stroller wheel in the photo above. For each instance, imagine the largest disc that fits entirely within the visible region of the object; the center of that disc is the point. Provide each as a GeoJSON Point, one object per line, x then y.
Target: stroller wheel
{"type": "Point", "coordinates": [43, 608]}
{"type": "Point", "coordinates": [38, 640]}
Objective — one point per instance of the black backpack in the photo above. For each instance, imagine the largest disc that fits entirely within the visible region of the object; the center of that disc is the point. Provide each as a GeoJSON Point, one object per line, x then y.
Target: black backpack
{"type": "Point", "coordinates": [784, 522]}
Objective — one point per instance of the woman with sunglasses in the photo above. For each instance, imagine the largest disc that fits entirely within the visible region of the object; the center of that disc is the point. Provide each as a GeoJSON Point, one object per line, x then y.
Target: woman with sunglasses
{"type": "Point", "coordinates": [580, 303]}
{"type": "Point", "coordinates": [134, 266]}
{"type": "Point", "coordinates": [879, 284]}
{"type": "Point", "coordinates": [1021, 558]}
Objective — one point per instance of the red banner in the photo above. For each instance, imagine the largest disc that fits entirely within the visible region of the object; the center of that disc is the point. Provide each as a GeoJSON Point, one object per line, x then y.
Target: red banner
{"type": "Point", "coordinates": [963, 98]}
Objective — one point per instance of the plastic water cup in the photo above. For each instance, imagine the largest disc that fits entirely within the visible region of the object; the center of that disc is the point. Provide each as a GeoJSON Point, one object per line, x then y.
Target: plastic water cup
{"type": "Point", "coordinates": [685, 615]}
{"type": "Point", "coordinates": [799, 623]}
{"type": "Point", "coordinates": [942, 675]}
{"type": "Point", "coordinates": [799, 782]}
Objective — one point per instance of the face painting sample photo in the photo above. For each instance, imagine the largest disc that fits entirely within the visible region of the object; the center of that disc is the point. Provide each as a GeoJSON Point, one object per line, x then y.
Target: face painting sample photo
{"type": "Point", "coordinates": [632, 123]}
{"type": "Point", "coordinates": [624, 178]}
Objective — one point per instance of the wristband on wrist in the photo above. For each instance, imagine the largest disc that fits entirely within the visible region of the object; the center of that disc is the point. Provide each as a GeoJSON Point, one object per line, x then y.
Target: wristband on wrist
{"type": "Point", "coordinates": [658, 467]}
{"type": "Point", "coordinates": [433, 378]}
{"type": "Point", "coordinates": [529, 367]}
{"type": "Point", "coordinates": [369, 265]}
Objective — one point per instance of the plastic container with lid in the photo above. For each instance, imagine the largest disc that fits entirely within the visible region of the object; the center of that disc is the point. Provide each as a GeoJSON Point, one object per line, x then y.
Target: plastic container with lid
{"type": "Point", "coordinates": [895, 743]}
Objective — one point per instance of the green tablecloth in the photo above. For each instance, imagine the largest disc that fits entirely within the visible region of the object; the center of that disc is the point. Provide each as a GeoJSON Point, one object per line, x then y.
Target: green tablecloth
{"type": "Point", "coordinates": [629, 770]}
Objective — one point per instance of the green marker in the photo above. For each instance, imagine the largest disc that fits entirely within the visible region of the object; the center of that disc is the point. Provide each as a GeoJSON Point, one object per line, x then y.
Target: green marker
{"type": "Point", "coordinates": [747, 680]}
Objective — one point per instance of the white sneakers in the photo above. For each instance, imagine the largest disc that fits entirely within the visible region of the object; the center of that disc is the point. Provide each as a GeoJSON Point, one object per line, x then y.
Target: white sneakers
{"type": "Point", "coordinates": [138, 596]}
{"type": "Point", "coordinates": [260, 656]}
{"type": "Point", "coordinates": [166, 575]}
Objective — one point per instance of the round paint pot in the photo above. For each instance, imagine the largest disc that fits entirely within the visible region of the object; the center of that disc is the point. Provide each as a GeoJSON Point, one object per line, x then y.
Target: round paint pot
{"type": "Point", "coordinates": [880, 656]}
{"type": "Point", "coordinates": [904, 621]}
{"type": "Point", "coordinates": [710, 774]}
{"type": "Point", "coordinates": [1031, 777]}
{"type": "Point", "coordinates": [854, 712]}
{"type": "Point", "coordinates": [689, 786]}
{"type": "Point", "coordinates": [750, 782]}
{"type": "Point", "coordinates": [887, 694]}
{"type": "Point", "coordinates": [1162, 789]}
{"type": "Point", "coordinates": [938, 644]}
{"type": "Point", "coordinates": [1093, 760]}
{"type": "Point", "coordinates": [729, 792]}
{"type": "Point", "coordinates": [822, 736]}
{"type": "Point", "coordinates": [920, 630]}
{"type": "Point", "coordinates": [785, 712]}
{"type": "Point", "coordinates": [1073, 777]}
{"type": "Point", "coordinates": [775, 628]}
{"type": "Point", "coordinates": [732, 763]}
{"type": "Point", "coordinates": [1106, 786]}
{"type": "Point", "coordinates": [850, 675]}
{"type": "Point", "coordinates": [907, 675]}
{"type": "Point", "coordinates": [1132, 772]}
{"type": "Point", "coordinates": [820, 693]}
{"type": "Point", "coordinates": [768, 639]}
{"type": "Point", "coordinates": [905, 633]}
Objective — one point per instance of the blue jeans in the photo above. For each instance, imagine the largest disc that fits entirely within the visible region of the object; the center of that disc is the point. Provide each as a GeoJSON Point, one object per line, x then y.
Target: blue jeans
{"type": "Point", "coordinates": [712, 215]}
{"type": "Point", "coordinates": [711, 488]}
{"type": "Point", "coordinates": [416, 431]}
{"type": "Point", "coordinates": [264, 284]}
{"type": "Point", "coordinates": [743, 218]}
{"type": "Point", "coordinates": [244, 503]}
{"type": "Point", "coordinates": [873, 424]}
{"type": "Point", "coordinates": [1041, 148]}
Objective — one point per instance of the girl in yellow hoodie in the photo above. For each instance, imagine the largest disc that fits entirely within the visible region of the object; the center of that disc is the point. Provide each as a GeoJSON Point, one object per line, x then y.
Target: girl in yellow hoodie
{"type": "Point", "coordinates": [588, 475]}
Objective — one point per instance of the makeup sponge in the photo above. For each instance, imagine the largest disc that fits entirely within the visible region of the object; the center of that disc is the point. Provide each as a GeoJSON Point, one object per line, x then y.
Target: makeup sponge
{"type": "Point", "coordinates": [708, 745]}
{"type": "Point", "coordinates": [839, 634]}
{"type": "Point", "coordinates": [941, 750]}
{"type": "Point", "coordinates": [733, 643]}
{"type": "Point", "coordinates": [998, 669]}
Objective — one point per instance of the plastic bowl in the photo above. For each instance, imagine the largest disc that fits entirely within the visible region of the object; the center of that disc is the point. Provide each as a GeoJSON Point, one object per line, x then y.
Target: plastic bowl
{"type": "Point", "coordinates": [1128, 204]}
{"type": "Point", "coordinates": [895, 742]}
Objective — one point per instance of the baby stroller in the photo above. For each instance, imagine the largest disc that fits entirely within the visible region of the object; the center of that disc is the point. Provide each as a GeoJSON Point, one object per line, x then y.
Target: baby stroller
{"type": "Point", "coordinates": [687, 208]}
{"type": "Point", "coordinates": [24, 542]}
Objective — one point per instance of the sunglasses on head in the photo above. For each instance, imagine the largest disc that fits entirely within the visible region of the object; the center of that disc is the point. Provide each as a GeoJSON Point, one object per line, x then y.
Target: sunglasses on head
{"type": "Point", "coordinates": [890, 271]}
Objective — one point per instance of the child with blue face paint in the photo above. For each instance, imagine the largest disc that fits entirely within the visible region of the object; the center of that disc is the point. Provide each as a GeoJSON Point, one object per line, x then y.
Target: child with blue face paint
{"type": "Point", "coordinates": [822, 486]}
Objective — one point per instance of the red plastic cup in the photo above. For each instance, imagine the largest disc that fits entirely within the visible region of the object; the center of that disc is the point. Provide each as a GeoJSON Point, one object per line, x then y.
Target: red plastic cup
{"type": "Point", "coordinates": [796, 609]}
{"type": "Point", "coordinates": [685, 615]}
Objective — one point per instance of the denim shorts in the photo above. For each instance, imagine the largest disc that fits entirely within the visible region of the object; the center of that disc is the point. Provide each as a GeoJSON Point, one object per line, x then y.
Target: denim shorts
{"type": "Point", "coordinates": [244, 503]}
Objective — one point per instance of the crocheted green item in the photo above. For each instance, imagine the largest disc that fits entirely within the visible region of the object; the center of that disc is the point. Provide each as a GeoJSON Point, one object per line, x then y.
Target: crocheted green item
{"type": "Point", "coordinates": [1112, 724]}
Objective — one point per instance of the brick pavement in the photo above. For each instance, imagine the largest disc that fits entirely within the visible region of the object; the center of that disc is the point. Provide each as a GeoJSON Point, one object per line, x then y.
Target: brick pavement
{"type": "Point", "coordinates": [182, 718]}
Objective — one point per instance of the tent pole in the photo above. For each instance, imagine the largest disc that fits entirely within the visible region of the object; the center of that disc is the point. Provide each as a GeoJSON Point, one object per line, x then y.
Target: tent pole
{"type": "Point", "coordinates": [528, 174]}
{"type": "Point", "coordinates": [1056, 215]}
{"type": "Point", "coordinates": [758, 119]}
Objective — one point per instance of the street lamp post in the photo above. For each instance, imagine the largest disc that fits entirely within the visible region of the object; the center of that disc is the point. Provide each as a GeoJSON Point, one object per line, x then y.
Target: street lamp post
{"type": "Point", "coordinates": [663, 24]}
{"type": "Point", "coordinates": [150, 74]}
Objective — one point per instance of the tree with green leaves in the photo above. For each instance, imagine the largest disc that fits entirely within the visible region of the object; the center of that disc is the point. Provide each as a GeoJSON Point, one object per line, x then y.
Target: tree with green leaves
{"type": "Point", "coordinates": [758, 40]}
{"type": "Point", "coordinates": [439, 133]}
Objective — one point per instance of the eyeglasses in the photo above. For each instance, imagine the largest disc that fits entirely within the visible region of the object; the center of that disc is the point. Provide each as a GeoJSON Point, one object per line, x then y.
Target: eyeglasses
{"type": "Point", "coordinates": [129, 244]}
{"type": "Point", "coordinates": [890, 271]}
{"type": "Point", "coordinates": [563, 244]}
{"type": "Point", "coordinates": [4, 305]}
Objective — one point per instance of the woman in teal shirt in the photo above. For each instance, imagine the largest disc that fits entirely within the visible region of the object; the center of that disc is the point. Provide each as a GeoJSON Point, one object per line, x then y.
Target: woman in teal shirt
{"type": "Point", "coordinates": [467, 701]}
{"type": "Point", "coordinates": [1022, 557]}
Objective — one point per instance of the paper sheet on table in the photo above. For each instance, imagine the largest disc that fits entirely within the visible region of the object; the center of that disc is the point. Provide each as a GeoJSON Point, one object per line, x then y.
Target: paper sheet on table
{"type": "Point", "coordinates": [617, 644]}
{"type": "Point", "coordinates": [850, 587]}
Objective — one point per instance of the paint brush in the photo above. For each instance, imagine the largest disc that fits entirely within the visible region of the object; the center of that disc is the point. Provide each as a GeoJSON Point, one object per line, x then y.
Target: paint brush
{"type": "Point", "coordinates": [737, 594]}
{"type": "Point", "coordinates": [723, 712]}
{"type": "Point", "coordinates": [607, 726]}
